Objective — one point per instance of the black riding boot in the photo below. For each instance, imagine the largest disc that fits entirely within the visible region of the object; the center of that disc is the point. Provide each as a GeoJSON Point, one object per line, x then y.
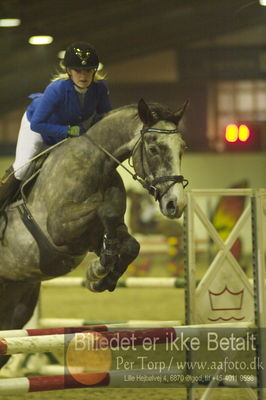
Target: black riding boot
{"type": "Point", "coordinates": [8, 187]}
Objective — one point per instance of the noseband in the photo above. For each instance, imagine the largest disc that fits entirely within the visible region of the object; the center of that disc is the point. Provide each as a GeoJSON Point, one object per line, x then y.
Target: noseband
{"type": "Point", "coordinates": [150, 185]}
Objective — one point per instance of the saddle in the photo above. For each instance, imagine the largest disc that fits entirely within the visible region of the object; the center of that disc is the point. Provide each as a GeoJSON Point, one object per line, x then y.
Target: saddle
{"type": "Point", "coordinates": [27, 182]}
{"type": "Point", "coordinates": [22, 191]}
{"type": "Point", "coordinates": [30, 178]}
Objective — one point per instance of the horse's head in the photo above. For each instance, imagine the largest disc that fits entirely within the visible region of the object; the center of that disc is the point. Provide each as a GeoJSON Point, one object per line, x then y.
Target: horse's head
{"type": "Point", "coordinates": [157, 157]}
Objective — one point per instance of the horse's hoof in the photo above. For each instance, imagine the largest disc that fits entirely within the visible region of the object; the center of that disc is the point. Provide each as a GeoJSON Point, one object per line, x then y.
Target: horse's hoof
{"type": "Point", "coordinates": [112, 287]}
{"type": "Point", "coordinates": [96, 287]}
{"type": "Point", "coordinates": [110, 284]}
{"type": "Point", "coordinates": [108, 261]}
{"type": "Point", "coordinates": [95, 271]}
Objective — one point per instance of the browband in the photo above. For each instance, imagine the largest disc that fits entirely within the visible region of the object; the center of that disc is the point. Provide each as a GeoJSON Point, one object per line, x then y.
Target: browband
{"type": "Point", "coordinates": [170, 131]}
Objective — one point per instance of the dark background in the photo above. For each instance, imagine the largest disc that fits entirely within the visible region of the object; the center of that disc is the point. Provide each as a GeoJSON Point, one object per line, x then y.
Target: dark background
{"type": "Point", "coordinates": [125, 30]}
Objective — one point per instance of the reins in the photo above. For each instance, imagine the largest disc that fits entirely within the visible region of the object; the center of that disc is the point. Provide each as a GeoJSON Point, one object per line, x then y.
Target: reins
{"type": "Point", "coordinates": [150, 186]}
{"type": "Point", "coordinates": [134, 176]}
{"type": "Point", "coordinates": [34, 158]}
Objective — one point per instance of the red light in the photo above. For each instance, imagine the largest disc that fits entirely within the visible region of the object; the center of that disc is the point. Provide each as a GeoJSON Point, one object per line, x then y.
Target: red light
{"type": "Point", "coordinates": [231, 133]}
{"type": "Point", "coordinates": [243, 133]}
{"type": "Point", "coordinates": [243, 136]}
{"type": "Point", "coordinates": [234, 133]}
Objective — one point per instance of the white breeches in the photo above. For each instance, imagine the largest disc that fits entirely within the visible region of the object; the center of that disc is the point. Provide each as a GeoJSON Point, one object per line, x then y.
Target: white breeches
{"type": "Point", "coordinates": [29, 144]}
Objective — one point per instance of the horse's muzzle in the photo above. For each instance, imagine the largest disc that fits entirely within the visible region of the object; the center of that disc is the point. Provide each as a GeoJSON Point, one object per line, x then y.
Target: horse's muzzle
{"type": "Point", "coordinates": [171, 207]}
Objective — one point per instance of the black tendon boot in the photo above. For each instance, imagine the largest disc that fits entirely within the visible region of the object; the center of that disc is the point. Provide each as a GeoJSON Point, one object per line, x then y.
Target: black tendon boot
{"type": "Point", "coordinates": [8, 187]}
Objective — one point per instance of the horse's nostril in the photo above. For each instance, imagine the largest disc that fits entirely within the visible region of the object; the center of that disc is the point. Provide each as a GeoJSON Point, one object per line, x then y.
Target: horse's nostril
{"type": "Point", "coordinates": [171, 207]}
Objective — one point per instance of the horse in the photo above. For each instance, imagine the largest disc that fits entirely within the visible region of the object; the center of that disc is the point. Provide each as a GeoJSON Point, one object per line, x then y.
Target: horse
{"type": "Point", "coordinates": [77, 204]}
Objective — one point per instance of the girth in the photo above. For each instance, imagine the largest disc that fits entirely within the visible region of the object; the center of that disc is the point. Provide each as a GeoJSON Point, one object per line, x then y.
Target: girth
{"type": "Point", "coordinates": [52, 261]}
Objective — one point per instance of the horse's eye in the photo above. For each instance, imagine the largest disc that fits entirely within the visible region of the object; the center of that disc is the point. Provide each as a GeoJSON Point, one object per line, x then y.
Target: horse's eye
{"type": "Point", "coordinates": [153, 150]}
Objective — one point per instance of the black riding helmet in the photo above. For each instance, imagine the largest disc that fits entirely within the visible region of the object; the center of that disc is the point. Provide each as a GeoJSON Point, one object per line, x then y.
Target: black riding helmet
{"type": "Point", "coordinates": [81, 55]}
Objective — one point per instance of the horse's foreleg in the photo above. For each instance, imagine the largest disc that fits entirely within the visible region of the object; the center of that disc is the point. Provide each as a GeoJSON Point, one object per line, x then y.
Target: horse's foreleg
{"type": "Point", "coordinates": [128, 251]}
{"type": "Point", "coordinates": [108, 254]}
{"type": "Point", "coordinates": [100, 267]}
{"type": "Point", "coordinates": [110, 213]}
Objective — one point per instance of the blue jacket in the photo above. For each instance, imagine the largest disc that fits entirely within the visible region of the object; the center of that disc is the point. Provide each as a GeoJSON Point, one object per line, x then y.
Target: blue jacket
{"type": "Point", "coordinates": [52, 112]}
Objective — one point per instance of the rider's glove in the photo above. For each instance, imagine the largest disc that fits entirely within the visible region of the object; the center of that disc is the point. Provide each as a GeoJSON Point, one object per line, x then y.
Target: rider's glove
{"type": "Point", "coordinates": [73, 131]}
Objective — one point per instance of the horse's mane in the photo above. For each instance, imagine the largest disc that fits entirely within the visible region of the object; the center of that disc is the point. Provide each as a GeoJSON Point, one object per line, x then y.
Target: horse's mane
{"type": "Point", "coordinates": [159, 111]}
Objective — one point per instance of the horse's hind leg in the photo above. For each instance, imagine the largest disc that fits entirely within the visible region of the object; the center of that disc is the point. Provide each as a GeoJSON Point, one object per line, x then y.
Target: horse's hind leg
{"type": "Point", "coordinates": [25, 307]}
{"type": "Point", "coordinates": [18, 301]}
{"type": "Point", "coordinates": [128, 251]}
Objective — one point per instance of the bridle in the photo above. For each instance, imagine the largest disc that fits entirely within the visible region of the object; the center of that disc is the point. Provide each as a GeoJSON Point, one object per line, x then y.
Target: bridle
{"type": "Point", "coordinates": [149, 185]}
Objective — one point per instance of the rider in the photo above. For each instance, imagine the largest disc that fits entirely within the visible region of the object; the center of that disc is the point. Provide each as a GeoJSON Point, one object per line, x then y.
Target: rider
{"type": "Point", "coordinates": [70, 104]}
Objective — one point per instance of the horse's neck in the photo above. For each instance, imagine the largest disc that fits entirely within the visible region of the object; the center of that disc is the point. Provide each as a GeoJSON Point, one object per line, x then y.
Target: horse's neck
{"type": "Point", "coordinates": [117, 132]}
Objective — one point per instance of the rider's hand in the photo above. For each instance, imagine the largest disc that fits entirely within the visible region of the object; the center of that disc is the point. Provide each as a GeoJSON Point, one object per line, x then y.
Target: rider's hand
{"type": "Point", "coordinates": [74, 131]}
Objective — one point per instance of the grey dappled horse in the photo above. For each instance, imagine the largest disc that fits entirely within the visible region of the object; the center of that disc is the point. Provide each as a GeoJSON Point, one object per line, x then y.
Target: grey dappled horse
{"type": "Point", "coordinates": [78, 204]}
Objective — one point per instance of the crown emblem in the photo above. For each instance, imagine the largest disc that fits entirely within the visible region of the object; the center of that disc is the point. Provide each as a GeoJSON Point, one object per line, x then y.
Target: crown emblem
{"type": "Point", "coordinates": [82, 55]}
{"type": "Point", "coordinates": [226, 300]}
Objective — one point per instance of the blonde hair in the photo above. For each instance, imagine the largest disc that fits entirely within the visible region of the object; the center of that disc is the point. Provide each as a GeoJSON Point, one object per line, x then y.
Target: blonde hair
{"type": "Point", "coordinates": [64, 75]}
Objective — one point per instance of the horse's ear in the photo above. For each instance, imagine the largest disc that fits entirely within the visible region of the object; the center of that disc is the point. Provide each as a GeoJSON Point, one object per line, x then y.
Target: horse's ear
{"type": "Point", "coordinates": [145, 113]}
{"type": "Point", "coordinates": [179, 113]}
